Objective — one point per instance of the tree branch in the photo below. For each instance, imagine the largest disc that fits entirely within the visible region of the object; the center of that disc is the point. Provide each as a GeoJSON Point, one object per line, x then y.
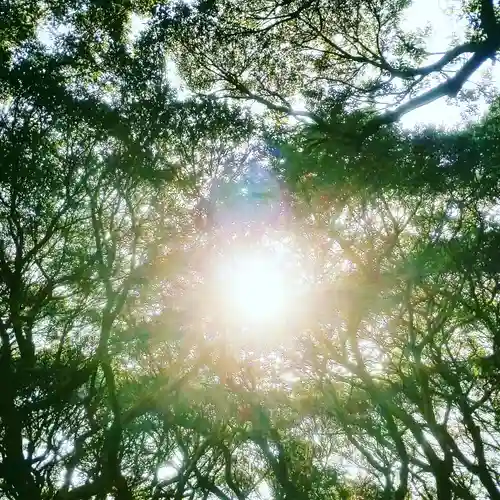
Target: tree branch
{"type": "Point", "coordinates": [449, 88]}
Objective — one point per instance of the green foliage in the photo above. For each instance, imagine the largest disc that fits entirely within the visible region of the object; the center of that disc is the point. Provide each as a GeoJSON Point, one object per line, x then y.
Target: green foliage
{"type": "Point", "coordinates": [272, 52]}
{"type": "Point", "coordinates": [121, 377]}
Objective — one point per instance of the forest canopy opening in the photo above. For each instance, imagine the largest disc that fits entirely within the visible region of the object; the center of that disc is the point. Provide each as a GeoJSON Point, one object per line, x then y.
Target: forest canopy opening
{"type": "Point", "coordinates": [256, 290]}
{"type": "Point", "coordinates": [254, 287]}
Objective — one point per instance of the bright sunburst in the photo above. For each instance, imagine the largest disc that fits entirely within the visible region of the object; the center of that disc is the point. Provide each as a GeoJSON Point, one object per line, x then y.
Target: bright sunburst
{"type": "Point", "coordinates": [255, 288]}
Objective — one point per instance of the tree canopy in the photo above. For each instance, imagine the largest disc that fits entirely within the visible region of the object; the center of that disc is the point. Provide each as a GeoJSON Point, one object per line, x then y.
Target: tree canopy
{"type": "Point", "coordinates": [200, 300]}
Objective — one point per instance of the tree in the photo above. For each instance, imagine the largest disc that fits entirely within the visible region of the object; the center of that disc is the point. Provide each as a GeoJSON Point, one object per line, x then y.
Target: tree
{"type": "Point", "coordinates": [403, 362]}
{"type": "Point", "coordinates": [271, 52]}
{"type": "Point", "coordinates": [124, 374]}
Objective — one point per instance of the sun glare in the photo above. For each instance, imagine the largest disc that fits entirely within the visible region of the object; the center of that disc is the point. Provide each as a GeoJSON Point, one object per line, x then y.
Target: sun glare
{"type": "Point", "coordinates": [257, 288]}
{"type": "Point", "coordinates": [253, 289]}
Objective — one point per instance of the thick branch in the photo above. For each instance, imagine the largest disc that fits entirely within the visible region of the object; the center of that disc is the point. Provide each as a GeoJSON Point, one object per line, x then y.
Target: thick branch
{"type": "Point", "coordinates": [449, 88]}
{"type": "Point", "coordinates": [446, 59]}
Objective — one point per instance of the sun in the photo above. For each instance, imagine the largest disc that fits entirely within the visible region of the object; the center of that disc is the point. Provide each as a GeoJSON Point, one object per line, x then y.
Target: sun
{"type": "Point", "coordinates": [253, 288]}
{"type": "Point", "coordinates": [257, 288]}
